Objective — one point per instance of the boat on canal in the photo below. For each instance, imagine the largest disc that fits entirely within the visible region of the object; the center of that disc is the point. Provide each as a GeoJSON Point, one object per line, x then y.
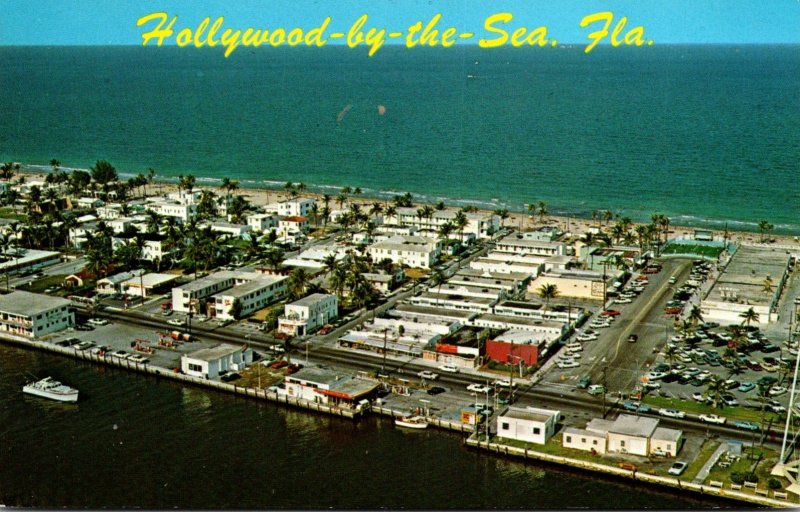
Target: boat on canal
{"type": "Point", "coordinates": [52, 389]}
{"type": "Point", "coordinates": [417, 422]}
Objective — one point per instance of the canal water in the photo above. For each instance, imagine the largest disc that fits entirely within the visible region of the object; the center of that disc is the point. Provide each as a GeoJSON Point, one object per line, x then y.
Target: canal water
{"type": "Point", "coordinates": [136, 441]}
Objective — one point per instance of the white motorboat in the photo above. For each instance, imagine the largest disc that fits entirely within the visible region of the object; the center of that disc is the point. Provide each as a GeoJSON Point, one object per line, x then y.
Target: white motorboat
{"type": "Point", "coordinates": [52, 389]}
{"type": "Point", "coordinates": [417, 422]}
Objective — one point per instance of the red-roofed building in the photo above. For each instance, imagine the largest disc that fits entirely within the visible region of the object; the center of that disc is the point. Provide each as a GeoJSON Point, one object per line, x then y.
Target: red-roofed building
{"type": "Point", "coordinates": [292, 225]}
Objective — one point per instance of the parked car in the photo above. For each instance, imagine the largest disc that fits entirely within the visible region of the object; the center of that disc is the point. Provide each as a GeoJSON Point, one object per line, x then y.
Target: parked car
{"type": "Point", "coordinates": [425, 374]}
{"type": "Point", "coordinates": [747, 425]}
{"type": "Point", "coordinates": [479, 388]}
{"type": "Point", "coordinates": [698, 396]}
{"type": "Point", "coordinates": [610, 312]}
{"type": "Point", "coordinates": [677, 468]}
{"type": "Point", "coordinates": [729, 400]}
{"type": "Point", "coordinates": [584, 382]}
{"type": "Point", "coordinates": [568, 363]}
{"type": "Point", "coordinates": [744, 387]}
{"type": "Point", "coordinates": [777, 391]}
{"type": "Point", "coordinates": [505, 383]}
{"type": "Point", "coordinates": [97, 321]}
{"type": "Point", "coordinates": [672, 413]}
{"type": "Point", "coordinates": [436, 390]}
{"type": "Point", "coordinates": [596, 389]}
{"type": "Point", "coordinates": [449, 368]}
{"type": "Point", "coordinates": [177, 322]}
{"type": "Point", "coordinates": [775, 406]}
{"type": "Point", "coordinates": [712, 418]}
{"type": "Point", "coordinates": [633, 338]}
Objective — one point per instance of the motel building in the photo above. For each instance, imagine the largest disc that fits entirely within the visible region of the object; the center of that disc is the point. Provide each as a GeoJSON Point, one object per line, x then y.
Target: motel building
{"type": "Point", "coordinates": [330, 388]}
{"type": "Point", "coordinates": [210, 363]}
{"type": "Point", "coordinates": [33, 315]}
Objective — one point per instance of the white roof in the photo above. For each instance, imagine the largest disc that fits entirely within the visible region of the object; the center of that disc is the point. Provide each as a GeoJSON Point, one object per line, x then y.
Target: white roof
{"type": "Point", "coordinates": [150, 280]}
{"type": "Point", "coordinates": [30, 304]}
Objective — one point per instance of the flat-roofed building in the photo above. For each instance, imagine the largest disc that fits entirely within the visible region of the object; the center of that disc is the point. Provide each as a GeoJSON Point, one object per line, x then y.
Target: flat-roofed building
{"type": "Point", "coordinates": [453, 301]}
{"type": "Point", "coordinates": [403, 309]}
{"type": "Point", "coordinates": [511, 282]}
{"type": "Point", "coordinates": [330, 387]}
{"type": "Point", "coordinates": [582, 439]}
{"type": "Point", "coordinates": [517, 245]}
{"type": "Point", "coordinates": [299, 207]}
{"type": "Point", "coordinates": [230, 229]}
{"type": "Point", "coordinates": [503, 265]}
{"type": "Point", "coordinates": [308, 314]}
{"type": "Point", "coordinates": [583, 284]}
{"type": "Point", "coordinates": [262, 221]}
{"type": "Point", "coordinates": [17, 259]}
{"type": "Point", "coordinates": [631, 434]}
{"type": "Point", "coordinates": [666, 441]}
{"type": "Point", "coordinates": [538, 311]}
{"type": "Point", "coordinates": [412, 251]}
{"type": "Point", "coordinates": [154, 245]}
{"type": "Point", "coordinates": [179, 211]}
{"type": "Point", "coordinates": [514, 346]}
{"type": "Point", "coordinates": [113, 284]}
{"type": "Point", "coordinates": [209, 363]}
{"type": "Point", "coordinates": [530, 424]}
{"type": "Point", "coordinates": [149, 284]}
{"type": "Point", "coordinates": [548, 329]}
{"type": "Point", "coordinates": [33, 315]}
{"type": "Point", "coordinates": [479, 225]}
{"type": "Point", "coordinates": [250, 296]}
{"type": "Point", "coordinates": [188, 295]}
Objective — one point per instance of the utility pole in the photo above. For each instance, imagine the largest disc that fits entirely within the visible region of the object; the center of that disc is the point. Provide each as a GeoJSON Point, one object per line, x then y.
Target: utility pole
{"type": "Point", "coordinates": [384, 350]}
{"type": "Point", "coordinates": [605, 390]}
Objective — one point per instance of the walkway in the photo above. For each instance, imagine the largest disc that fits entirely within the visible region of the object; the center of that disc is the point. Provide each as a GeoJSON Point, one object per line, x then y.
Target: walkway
{"type": "Point", "coordinates": [703, 473]}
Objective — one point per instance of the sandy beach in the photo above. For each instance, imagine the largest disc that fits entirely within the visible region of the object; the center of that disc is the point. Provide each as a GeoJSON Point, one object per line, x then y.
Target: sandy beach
{"type": "Point", "coordinates": [573, 225]}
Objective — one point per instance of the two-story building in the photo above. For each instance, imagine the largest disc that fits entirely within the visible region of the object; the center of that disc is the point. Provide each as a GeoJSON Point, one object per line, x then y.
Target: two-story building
{"type": "Point", "coordinates": [33, 315]}
{"type": "Point", "coordinates": [308, 314]}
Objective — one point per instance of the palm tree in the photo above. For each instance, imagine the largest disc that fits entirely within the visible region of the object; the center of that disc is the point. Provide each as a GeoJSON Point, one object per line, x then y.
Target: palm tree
{"type": "Point", "coordinates": [151, 175]}
{"type": "Point", "coordinates": [274, 258]}
{"type": "Point", "coordinates": [749, 316]}
{"type": "Point", "coordinates": [695, 316]}
{"type": "Point", "coordinates": [104, 173]}
{"type": "Point", "coordinates": [5, 245]}
{"type": "Point", "coordinates": [764, 227]}
{"type": "Point", "coordinates": [670, 352]}
{"type": "Point", "coordinates": [460, 222]}
{"type": "Point", "coordinates": [532, 209]}
{"type": "Point", "coordinates": [503, 214]}
{"type": "Point", "coordinates": [153, 221]}
{"type": "Point", "coordinates": [542, 210]}
{"type": "Point", "coordinates": [297, 283]}
{"type": "Point", "coordinates": [716, 387]}
{"type": "Point", "coordinates": [445, 230]}
{"type": "Point", "coordinates": [547, 292]}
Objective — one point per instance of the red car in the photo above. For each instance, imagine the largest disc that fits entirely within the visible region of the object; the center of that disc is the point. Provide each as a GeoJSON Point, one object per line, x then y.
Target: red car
{"type": "Point", "coordinates": [610, 312]}
{"type": "Point", "coordinates": [673, 311]}
{"type": "Point", "coordinates": [279, 364]}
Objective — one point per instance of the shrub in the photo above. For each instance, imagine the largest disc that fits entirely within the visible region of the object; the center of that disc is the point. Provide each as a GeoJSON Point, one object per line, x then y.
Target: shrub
{"type": "Point", "coordinates": [774, 483]}
{"type": "Point", "coordinates": [737, 477]}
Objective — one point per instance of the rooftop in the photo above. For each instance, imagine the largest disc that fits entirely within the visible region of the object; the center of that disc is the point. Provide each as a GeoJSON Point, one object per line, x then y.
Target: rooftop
{"type": "Point", "coordinates": [29, 304]}
{"type": "Point", "coordinates": [631, 425]}
{"type": "Point", "coordinates": [214, 353]}
{"type": "Point", "coordinates": [404, 309]}
{"type": "Point", "coordinates": [486, 274]}
{"type": "Point", "coordinates": [530, 414]}
{"type": "Point", "coordinates": [667, 434]}
{"type": "Point", "coordinates": [515, 320]}
{"type": "Point", "coordinates": [312, 299]}
{"type": "Point", "coordinates": [151, 280]}
{"type": "Point", "coordinates": [744, 276]}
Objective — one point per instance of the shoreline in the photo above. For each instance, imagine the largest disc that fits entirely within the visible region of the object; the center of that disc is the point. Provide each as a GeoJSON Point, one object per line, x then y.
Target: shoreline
{"type": "Point", "coordinates": [261, 196]}
{"type": "Point", "coordinates": [472, 440]}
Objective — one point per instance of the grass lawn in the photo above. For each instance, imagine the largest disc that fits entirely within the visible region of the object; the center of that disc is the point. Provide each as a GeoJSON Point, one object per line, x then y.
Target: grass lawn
{"type": "Point", "coordinates": [691, 406]}
{"type": "Point", "coordinates": [250, 376]}
{"type": "Point", "coordinates": [9, 213]}
{"type": "Point", "coordinates": [700, 250]}
{"type": "Point", "coordinates": [745, 465]}
{"type": "Point", "coordinates": [708, 449]}
{"type": "Point", "coordinates": [40, 285]}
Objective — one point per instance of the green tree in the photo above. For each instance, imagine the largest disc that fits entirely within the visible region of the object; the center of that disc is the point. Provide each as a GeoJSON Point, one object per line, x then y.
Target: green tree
{"type": "Point", "coordinates": [548, 292]}
{"type": "Point", "coordinates": [103, 172]}
{"type": "Point", "coordinates": [716, 387]}
{"type": "Point", "coordinates": [749, 316]}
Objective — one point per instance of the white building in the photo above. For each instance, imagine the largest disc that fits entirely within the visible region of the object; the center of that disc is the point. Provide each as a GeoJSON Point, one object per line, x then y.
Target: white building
{"type": "Point", "coordinates": [148, 284]}
{"type": "Point", "coordinates": [262, 222]}
{"type": "Point", "coordinates": [522, 246]}
{"type": "Point", "coordinates": [314, 257]}
{"type": "Point", "coordinates": [582, 439]}
{"type": "Point", "coordinates": [479, 225]}
{"type": "Point", "coordinates": [251, 296]}
{"type": "Point", "coordinates": [227, 228]}
{"type": "Point", "coordinates": [292, 226]}
{"type": "Point", "coordinates": [209, 363]}
{"type": "Point", "coordinates": [530, 424]}
{"type": "Point", "coordinates": [33, 315]}
{"type": "Point", "coordinates": [666, 442]}
{"type": "Point", "coordinates": [154, 246]}
{"type": "Point", "coordinates": [113, 284]}
{"type": "Point", "coordinates": [412, 251]}
{"type": "Point", "coordinates": [329, 387]}
{"type": "Point", "coordinates": [190, 294]}
{"type": "Point", "coordinates": [18, 258]}
{"type": "Point", "coordinates": [502, 265]}
{"type": "Point", "coordinates": [308, 314]}
{"type": "Point", "coordinates": [298, 207]}
{"type": "Point", "coordinates": [181, 212]}
{"type": "Point", "coordinates": [584, 284]}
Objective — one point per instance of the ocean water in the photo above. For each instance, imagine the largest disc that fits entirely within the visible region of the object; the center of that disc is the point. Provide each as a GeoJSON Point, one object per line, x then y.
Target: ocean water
{"type": "Point", "coordinates": [704, 134]}
{"type": "Point", "coordinates": [135, 441]}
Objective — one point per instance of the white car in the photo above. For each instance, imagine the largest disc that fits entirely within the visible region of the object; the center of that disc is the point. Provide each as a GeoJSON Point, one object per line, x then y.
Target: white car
{"type": "Point", "coordinates": [677, 468]}
{"type": "Point", "coordinates": [656, 375]}
{"type": "Point", "coordinates": [672, 413]}
{"type": "Point", "coordinates": [596, 389]}
{"type": "Point", "coordinates": [777, 390]}
{"type": "Point", "coordinates": [449, 368]}
{"type": "Point", "coordinates": [569, 355]}
{"type": "Point", "coordinates": [177, 322]}
{"type": "Point", "coordinates": [712, 418]}
{"type": "Point", "coordinates": [97, 321]}
{"type": "Point", "coordinates": [425, 374]}
{"type": "Point", "coordinates": [505, 383]}
{"type": "Point", "coordinates": [622, 301]}
{"type": "Point", "coordinates": [569, 363]}
{"type": "Point", "coordinates": [699, 397]}
{"type": "Point", "coordinates": [479, 388]}
{"type": "Point", "coordinates": [573, 350]}
{"type": "Point", "coordinates": [586, 337]}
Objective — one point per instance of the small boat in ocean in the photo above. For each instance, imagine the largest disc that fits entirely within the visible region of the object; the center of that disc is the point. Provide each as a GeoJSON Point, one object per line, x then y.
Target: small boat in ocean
{"type": "Point", "coordinates": [417, 422]}
{"type": "Point", "coordinates": [52, 389]}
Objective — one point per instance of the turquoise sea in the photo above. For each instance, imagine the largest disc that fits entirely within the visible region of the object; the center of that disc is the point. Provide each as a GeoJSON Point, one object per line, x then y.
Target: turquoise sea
{"type": "Point", "coordinates": [704, 134]}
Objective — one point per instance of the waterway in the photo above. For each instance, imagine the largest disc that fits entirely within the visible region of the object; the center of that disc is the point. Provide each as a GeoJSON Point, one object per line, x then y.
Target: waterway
{"type": "Point", "coordinates": [136, 441]}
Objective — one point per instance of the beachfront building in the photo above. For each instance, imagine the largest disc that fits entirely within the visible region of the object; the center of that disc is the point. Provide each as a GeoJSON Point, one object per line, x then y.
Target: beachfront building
{"type": "Point", "coordinates": [249, 296]}
{"type": "Point", "coordinates": [479, 225]}
{"type": "Point", "coordinates": [583, 284]}
{"type": "Point", "coordinates": [411, 251]}
{"type": "Point", "coordinates": [113, 284]}
{"type": "Point", "coordinates": [528, 424]}
{"type": "Point", "coordinates": [525, 247]}
{"type": "Point", "coordinates": [297, 207]}
{"type": "Point", "coordinates": [262, 222]}
{"type": "Point", "coordinates": [330, 387]}
{"type": "Point", "coordinates": [543, 234]}
{"type": "Point", "coordinates": [743, 285]}
{"type": "Point", "coordinates": [308, 314]}
{"type": "Point", "coordinates": [210, 363]}
{"type": "Point", "coordinates": [33, 315]}
{"type": "Point", "coordinates": [182, 212]}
